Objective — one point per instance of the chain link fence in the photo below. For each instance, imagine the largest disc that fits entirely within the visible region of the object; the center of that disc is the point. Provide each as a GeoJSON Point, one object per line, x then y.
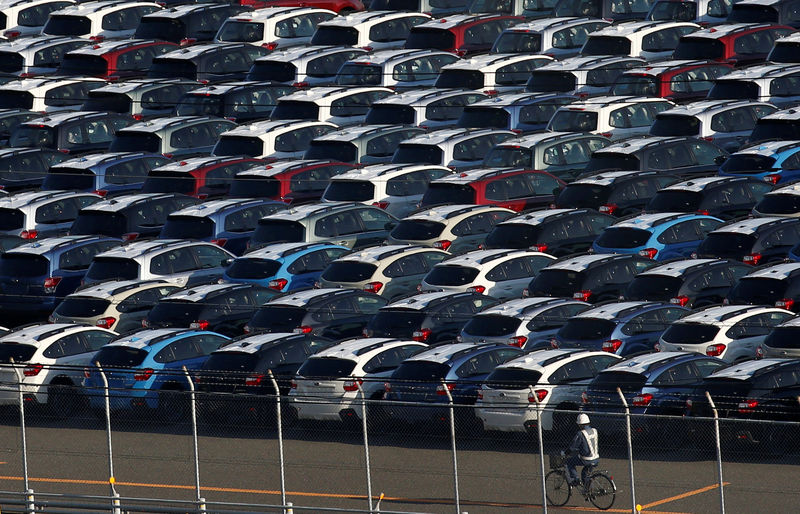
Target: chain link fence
{"type": "Point", "coordinates": [200, 451]}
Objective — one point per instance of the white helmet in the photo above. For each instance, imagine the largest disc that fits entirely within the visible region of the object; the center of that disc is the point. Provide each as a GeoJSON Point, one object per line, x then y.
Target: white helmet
{"type": "Point", "coordinates": [583, 419]}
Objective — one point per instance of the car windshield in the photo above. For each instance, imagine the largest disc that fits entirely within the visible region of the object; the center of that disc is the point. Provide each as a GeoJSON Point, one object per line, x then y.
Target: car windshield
{"type": "Point", "coordinates": [68, 178]}
{"type": "Point", "coordinates": [635, 84]}
{"type": "Point", "coordinates": [583, 195]}
{"type": "Point", "coordinates": [778, 204]}
{"type": "Point", "coordinates": [168, 182]}
{"type": "Point", "coordinates": [254, 186]}
{"type": "Point", "coordinates": [96, 222]}
{"type": "Point", "coordinates": [111, 102]}
{"type": "Point", "coordinates": [653, 287]}
{"type": "Point", "coordinates": [120, 356]}
{"type": "Point", "coordinates": [543, 81]}
{"type": "Point", "coordinates": [771, 130]}
{"type": "Point", "coordinates": [200, 105]}
{"type": "Point", "coordinates": [336, 36]}
{"type": "Point", "coordinates": [444, 193]}
{"type": "Point", "coordinates": [155, 27]}
{"type": "Point", "coordinates": [611, 380]}
{"type": "Point", "coordinates": [748, 163]}
{"type": "Point", "coordinates": [512, 378]}
{"type": "Point", "coordinates": [17, 351]}
{"type": "Point", "coordinates": [359, 75]}
{"type": "Point", "coordinates": [783, 337]}
{"type": "Point", "coordinates": [556, 282]}
{"type": "Point", "coordinates": [699, 48]}
{"type": "Point", "coordinates": [509, 157]}
{"type": "Point", "coordinates": [430, 38]}
{"type": "Point", "coordinates": [275, 231]}
{"type": "Point", "coordinates": [389, 114]}
{"type": "Point", "coordinates": [65, 25]}
{"type": "Point", "coordinates": [733, 90]}
{"type": "Point", "coordinates": [747, 13]}
{"type": "Point", "coordinates": [690, 333]}
{"type": "Point", "coordinates": [252, 268]}
{"type": "Point", "coordinates": [239, 145]}
{"type": "Point", "coordinates": [726, 244]}
{"type": "Point", "coordinates": [518, 42]}
{"type": "Point", "coordinates": [241, 32]}
{"type": "Point", "coordinates": [586, 329]}
{"type": "Point", "coordinates": [130, 141]}
{"type": "Point", "coordinates": [675, 125]}
{"type": "Point", "coordinates": [188, 227]}
{"type": "Point", "coordinates": [107, 268]}
{"type": "Point", "coordinates": [758, 291]}
{"type": "Point", "coordinates": [277, 71]}
{"type": "Point", "coordinates": [460, 79]}
{"type": "Point", "coordinates": [82, 64]}
{"type": "Point", "coordinates": [484, 117]}
{"type": "Point", "coordinates": [17, 100]}
{"type": "Point", "coordinates": [409, 153]}
{"type": "Point", "coordinates": [612, 161]}
{"type": "Point", "coordinates": [513, 235]}
{"type": "Point", "coordinates": [450, 275]}
{"type": "Point", "coordinates": [623, 237]}
{"type": "Point", "coordinates": [23, 265]}
{"type": "Point", "coordinates": [165, 68]}
{"type": "Point", "coordinates": [418, 230]}
{"type": "Point", "coordinates": [395, 323]}
{"type": "Point", "coordinates": [573, 120]}
{"type": "Point", "coordinates": [349, 191]}
{"type": "Point", "coordinates": [349, 271]}
{"type": "Point", "coordinates": [606, 45]}
{"type": "Point", "coordinates": [492, 325]}
{"type": "Point", "coordinates": [785, 52]}
{"type": "Point", "coordinates": [421, 371]}
{"type": "Point", "coordinates": [295, 110]}
{"type": "Point", "coordinates": [82, 307]}
{"type": "Point", "coordinates": [343, 151]}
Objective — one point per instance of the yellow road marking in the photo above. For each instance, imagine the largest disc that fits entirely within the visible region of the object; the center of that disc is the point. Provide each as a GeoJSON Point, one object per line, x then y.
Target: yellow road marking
{"type": "Point", "coordinates": [684, 495]}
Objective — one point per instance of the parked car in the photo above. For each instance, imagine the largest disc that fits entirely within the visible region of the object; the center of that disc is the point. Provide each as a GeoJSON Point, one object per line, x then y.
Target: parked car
{"type": "Point", "coordinates": [492, 74]}
{"type": "Point", "coordinates": [582, 76]}
{"type": "Point", "coordinates": [178, 136]}
{"type": "Point", "coordinates": [428, 109]}
{"type": "Point", "coordinates": [42, 214]}
{"type": "Point", "coordinates": [207, 62]}
{"type": "Point", "coordinates": [781, 343]}
{"type": "Point", "coordinates": [27, 18]}
{"type": "Point", "coordinates": [113, 60]}
{"type": "Point", "coordinates": [25, 168]}
{"type": "Point", "coordinates": [36, 55]}
{"type": "Point", "coordinates": [518, 112]}
{"type": "Point", "coordinates": [141, 98]}
{"type": "Point", "coordinates": [766, 82]}
{"type": "Point", "coordinates": [753, 241]}
{"type": "Point", "coordinates": [774, 162]}
{"type": "Point", "coordinates": [276, 27]}
{"type": "Point", "coordinates": [778, 126]}
{"type": "Point", "coordinates": [557, 37]}
{"type": "Point", "coordinates": [98, 20]}
{"type": "Point", "coordinates": [619, 193]}
{"type": "Point", "coordinates": [394, 68]}
{"type": "Point", "coordinates": [775, 11]}
{"type": "Point", "coordinates": [780, 202]}
{"type": "Point", "coordinates": [371, 30]}
{"type": "Point", "coordinates": [293, 182]}
{"type": "Point", "coordinates": [271, 139]}
{"type": "Point", "coordinates": [735, 43]}
{"type": "Point", "coordinates": [105, 174]}
{"type": "Point", "coordinates": [456, 148]}
{"type": "Point", "coordinates": [186, 24]}
{"type": "Point", "coordinates": [676, 80]}
{"type": "Point", "coordinates": [342, 7]}
{"type": "Point", "coordinates": [462, 34]}
{"type": "Point", "coordinates": [784, 50]}
{"type": "Point", "coordinates": [201, 177]}
{"type": "Point", "coordinates": [365, 144]}
{"type": "Point", "coordinates": [612, 117]}
{"type": "Point", "coordinates": [724, 197]}
{"type": "Point", "coordinates": [435, 9]}
{"type": "Point", "coordinates": [704, 12]}
{"type": "Point", "coordinates": [47, 94]}
{"type": "Point", "coordinates": [236, 101]}
{"type": "Point", "coordinates": [303, 66]}
{"type": "Point", "coordinates": [776, 285]}
{"type": "Point", "coordinates": [650, 40]}
{"type": "Point", "coordinates": [616, 11]}
{"type": "Point", "coordinates": [74, 133]}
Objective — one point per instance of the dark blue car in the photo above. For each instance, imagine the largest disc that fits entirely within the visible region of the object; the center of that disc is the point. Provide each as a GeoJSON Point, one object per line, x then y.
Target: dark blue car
{"type": "Point", "coordinates": [107, 174]}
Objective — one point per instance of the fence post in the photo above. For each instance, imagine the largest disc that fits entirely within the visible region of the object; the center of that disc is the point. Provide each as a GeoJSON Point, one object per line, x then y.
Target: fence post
{"type": "Point", "coordinates": [532, 394]}
{"type": "Point", "coordinates": [719, 452]}
{"type": "Point", "coordinates": [453, 442]}
{"type": "Point", "coordinates": [22, 426]}
{"type": "Point", "coordinates": [366, 441]}
{"type": "Point", "coordinates": [115, 506]}
{"type": "Point", "coordinates": [630, 448]}
{"type": "Point", "coordinates": [192, 399]}
{"type": "Point", "coordinates": [279, 423]}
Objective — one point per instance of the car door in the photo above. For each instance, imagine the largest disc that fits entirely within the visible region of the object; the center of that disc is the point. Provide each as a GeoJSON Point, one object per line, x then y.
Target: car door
{"type": "Point", "coordinates": [569, 381]}
{"type": "Point", "coordinates": [55, 218]}
{"type": "Point", "coordinates": [211, 261]}
{"type": "Point", "coordinates": [340, 318]}
{"type": "Point", "coordinates": [133, 309]}
{"type": "Point", "coordinates": [375, 224]}
{"type": "Point", "coordinates": [73, 263]}
{"type": "Point", "coordinates": [748, 333]}
{"type": "Point", "coordinates": [544, 326]}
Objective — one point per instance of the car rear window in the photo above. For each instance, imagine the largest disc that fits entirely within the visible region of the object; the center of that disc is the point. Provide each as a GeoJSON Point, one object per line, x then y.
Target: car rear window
{"type": "Point", "coordinates": [187, 227]}
{"type": "Point", "coordinates": [254, 186]}
{"type": "Point", "coordinates": [460, 79]}
{"type": "Point", "coordinates": [543, 81]}
{"type": "Point", "coordinates": [81, 64]}
{"type": "Point", "coordinates": [733, 90]}
{"type": "Point", "coordinates": [417, 230]}
{"type": "Point", "coordinates": [699, 48]}
{"type": "Point", "coordinates": [396, 322]}
{"type": "Point", "coordinates": [748, 164]}
{"type": "Point", "coordinates": [623, 237]}
{"type": "Point", "coordinates": [653, 287]}
{"type": "Point", "coordinates": [584, 195]}
{"type": "Point", "coordinates": [518, 42]}
{"type": "Point", "coordinates": [675, 200]}
{"type": "Point", "coordinates": [65, 25]}
{"type": "Point", "coordinates": [82, 306]}
{"type": "Point", "coordinates": [120, 356]}
{"type": "Point", "coordinates": [569, 120]}
{"type": "Point", "coordinates": [168, 182]}
{"type": "Point", "coordinates": [336, 36]}
{"type": "Point", "coordinates": [492, 325]}
{"type": "Point", "coordinates": [343, 151]}
{"type": "Point", "coordinates": [18, 100]}
{"type": "Point", "coordinates": [110, 102]}
{"type": "Point", "coordinates": [164, 68]}
{"type": "Point", "coordinates": [509, 157]}
{"type": "Point", "coordinates": [11, 62]}
{"type": "Point", "coordinates": [606, 45]}
{"type": "Point", "coordinates": [443, 193]}
{"type": "Point", "coordinates": [11, 219]}
{"type": "Point", "coordinates": [557, 282]}
{"type": "Point", "coordinates": [231, 361]}
{"type": "Point", "coordinates": [587, 329]}
{"type": "Point", "coordinates": [68, 178]}
{"type": "Point", "coordinates": [239, 145]}
{"type": "Point", "coordinates": [380, 114]}
{"type": "Point", "coordinates": [726, 244]}
{"type": "Point", "coordinates": [105, 268]}
{"type": "Point", "coordinates": [674, 125]}
{"type": "Point", "coordinates": [125, 141]}
{"type": "Point", "coordinates": [274, 231]}
{"type": "Point", "coordinates": [777, 130]}
{"type": "Point", "coordinates": [635, 84]}
{"type": "Point", "coordinates": [278, 318]}
{"type": "Point", "coordinates": [295, 110]}
{"type": "Point", "coordinates": [785, 52]}
{"type": "Point", "coordinates": [783, 337]}
{"type": "Point", "coordinates": [690, 333]}
{"type": "Point", "coordinates": [348, 271]}
{"type": "Point", "coordinates": [155, 27]}
{"type": "Point", "coordinates": [779, 204]}
{"type": "Point", "coordinates": [200, 105]}
{"type": "Point", "coordinates": [423, 37]}
{"type": "Point", "coordinates": [18, 352]}
{"type": "Point", "coordinates": [276, 71]}
{"type": "Point", "coordinates": [23, 265]}
{"type": "Point", "coordinates": [484, 117]}
{"type": "Point", "coordinates": [753, 14]}
{"type": "Point", "coordinates": [600, 161]}
{"type": "Point", "coordinates": [408, 153]}
{"type": "Point", "coordinates": [99, 223]}
{"type": "Point", "coordinates": [359, 75]}
{"type": "Point", "coordinates": [420, 370]}
{"type": "Point", "coordinates": [448, 275]}
{"type": "Point", "coordinates": [512, 378]}
{"type": "Point", "coordinates": [349, 191]}
{"type": "Point", "coordinates": [513, 235]}
{"type": "Point", "coordinates": [758, 290]}
{"type": "Point", "coordinates": [175, 313]}
{"type": "Point", "coordinates": [327, 367]}
{"type": "Point", "coordinates": [610, 380]}
{"type": "Point", "coordinates": [253, 268]}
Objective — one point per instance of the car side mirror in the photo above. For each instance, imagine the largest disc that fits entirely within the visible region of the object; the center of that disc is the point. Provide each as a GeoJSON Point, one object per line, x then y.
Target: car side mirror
{"type": "Point", "coordinates": [390, 225]}
{"type": "Point", "coordinates": [226, 262]}
{"type": "Point", "coordinates": [556, 193]}
{"type": "Point", "coordinates": [718, 160]}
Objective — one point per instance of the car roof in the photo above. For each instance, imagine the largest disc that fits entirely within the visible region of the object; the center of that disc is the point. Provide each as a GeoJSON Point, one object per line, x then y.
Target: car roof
{"type": "Point", "coordinates": [277, 12]}
{"type": "Point", "coordinates": [385, 171]}
{"type": "Point", "coordinates": [678, 268]}
{"type": "Point", "coordinates": [657, 68]}
{"type": "Point", "coordinates": [770, 147]}
{"type": "Point", "coordinates": [530, 140]}
{"type": "Point", "coordinates": [268, 128]}
{"type": "Point", "coordinates": [392, 54]}
{"type": "Point", "coordinates": [586, 62]}
{"type": "Point", "coordinates": [329, 93]}
{"type": "Point", "coordinates": [194, 163]}
{"type": "Point", "coordinates": [353, 133]}
{"type": "Point", "coordinates": [476, 174]}
{"type": "Point", "coordinates": [91, 160]}
{"type": "Point", "coordinates": [492, 62]}
{"type": "Point", "coordinates": [254, 343]}
{"type": "Point", "coordinates": [212, 207]}
{"type": "Point", "coordinates": [526, 307]}
{"type": "Point", "coordinates": [158, 124]}
{"type": "Point", "coordinates": [416, 97]}
{"type": "Point", "coordinates": [549, 23]}
{"type": "Point", "coordinates": [423, 300]}
{"type": "Point", "coordinates": [750, 225]}
{"type": "Point", "coordinates": [50, 244]}
{"type": "Point", "coordinates": [139, 248]}
{"type": "Point", "coordinates": [748, 369]}
{"type": "Point", "coordinates": [358, 349]}
{"type": "Point", "coordinates": [310, 209]}
{"type": "Point", "coordinates": [761, 71]}
{"type": "Point", "coordinates": [699, 184]}
{"type": "Point", "coordinates": [536, 217]}
{"type": "Point", "coordinates": [358, 18]}
{"type": "Point", "coordinates": [443, 213]}
{"type": "Point", "coordinates": [200, 292]}
{"type": "Point", "coordinates": [295, 53]}
{"type": "Point", "coordinates": [726, 29]}
{"type": "Point", "coordinates": [304, 297]}
{"type": "Point", "coordinates": [476, 258]}
{"type": "Point", "coordinates": [375, 254]}
{"type": "Point", "coordinates": [715, 314]}
{"type": "Point", "coordinates": [143, 338]}
{"type": "Point", "coordinates": [446, 352]}
{"type": "Point", "coordinates": [119, 203]}
{"type": "Point", "coordinates": [641, 364]}
{"type": "Point", "coordinates": [460, 19]}
{"type": "Point", "coordinates": [541, 360]}
{"type": "Point", "coordinates": [652, 220]}
{"type": "Point", "coordinates": [708, 106]}
{"type": "Point", "coordinates": [182, 10]}
{"type": "Point", "coordinates": [113, 45]}
{"type": "Point", "coordinates": [111, 288]}
{"type": "Point", "coordinates": [776, 271]}
{"type": "Point", "coordinates": [129, 86]}
{"type": "Point", "coordinates": [615, 310]}
{"type": "Point", "coordinates": [632, 27]}
{"type": "Point", "coordinates": [281, 250]}
{"type": "Point", "coordinates": [87, 8]}
{"type": "Point", "coordinates": [582, 262]}
{"type": "Point", "coordinates": [607, 178]}
{"type": "Point", "coordinates": [451, 134]}
{"type": "Point", "coordinates": [39, 334]}
{"type": "Point", "coordinates": [277, 167]}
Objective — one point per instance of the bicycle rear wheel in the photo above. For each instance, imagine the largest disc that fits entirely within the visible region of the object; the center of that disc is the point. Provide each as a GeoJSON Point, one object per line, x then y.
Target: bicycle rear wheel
{"type": "Point", "coordinates": [557, 487]}
{"type": "Point", "coordinates": [601, 491]}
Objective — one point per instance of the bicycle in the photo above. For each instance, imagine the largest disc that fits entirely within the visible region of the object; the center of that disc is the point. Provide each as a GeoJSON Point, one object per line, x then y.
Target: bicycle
{"type": "Point", "coordinates": [599, 489]}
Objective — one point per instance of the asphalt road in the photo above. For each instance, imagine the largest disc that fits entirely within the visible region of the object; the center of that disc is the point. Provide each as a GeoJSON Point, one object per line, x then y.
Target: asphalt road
{"type": "Point", "coordinates": [325, 467]}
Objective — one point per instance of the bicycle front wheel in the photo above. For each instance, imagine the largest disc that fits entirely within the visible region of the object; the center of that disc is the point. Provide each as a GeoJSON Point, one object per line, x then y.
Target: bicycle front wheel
{"type": "Point", "coordinates": [557, 487]}
{"type": "Point", "coordinates": [601, 491]}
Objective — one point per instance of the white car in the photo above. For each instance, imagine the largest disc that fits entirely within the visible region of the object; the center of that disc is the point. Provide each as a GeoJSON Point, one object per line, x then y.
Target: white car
{"type": "Point", "coordinates": [25, 18]}
{"type": "Point", "coordinates": [732, 332]}
{"type": "Point", "coordinates": [273, 27]}
{"type": "Point", "coordinates": [273, 139]}
{"type": "Point", "coordinates": [502, 274]}
{"type": "Point", "coordinates": [51, 357]}
{"type": "Point", "coordinates": [506, 400]}
{"type": "Point", "coordinates": [615, 117]}
{"type": "Point", "coordinates": [326, 388]}
{"type": "Point", "coordinates": [48, 95]}
{"type": "Point", "coordinates": [100, 20]}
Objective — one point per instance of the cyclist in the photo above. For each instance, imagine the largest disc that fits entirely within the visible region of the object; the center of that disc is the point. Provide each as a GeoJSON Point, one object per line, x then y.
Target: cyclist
{"type": "Point", "coordinates": [583, 450]}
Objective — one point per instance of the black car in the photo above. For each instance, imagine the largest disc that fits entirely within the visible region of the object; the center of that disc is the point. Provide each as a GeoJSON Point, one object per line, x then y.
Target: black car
{"type": "Point", "coordinates": [217, 62]}
{"type": "Point", "coordinates": [333, 313]}
{"type": "Point", "coordinates": [590, 278]}
{"type": "Point", "coordinates": [558, 232]}
{"type": "Point", "coordinates": [72, 132]}
{"type": "Point", "coordinates": [25, 168]}
{"type": "Point", "coordinates": [754, 241]}
{"type": "Point", "coordinates": [777, 285]}
{"type": "Point", "coordinates": [619, 193]}
{"type": "Point", "coordinates": [723, 197]}
{"type": "Point", "coordinates": [236, 101]}
{"type": "Point", "coordinates": [428, 317]}
{"type": "Point", "coordinates": [221, 308]}
{"type": "Point", "coordinates": [11, 118]}
{"type": "Point", "coordinates": [130, 217]}
{"type": "Point", "coordinates": [692, 283]}
{"type": "Point", "coordinates": [186, 24]}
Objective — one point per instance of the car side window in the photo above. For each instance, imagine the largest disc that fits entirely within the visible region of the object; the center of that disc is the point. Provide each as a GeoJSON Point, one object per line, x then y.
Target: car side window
{"type": "Point", "coordinates": [386, 360]}
{"type": "Point", "coordinates": [757, 325]}
{"type": "Point", "coordinates": [173, 261]}
{"type": "Point", "coordinates": [208, 256]}
{"type": "Point", "coordinates": [78, 258]}
{"type": "Point", "coordinates": [339, 224]}
{"type": "Point", "coordinates": [95, 339]}
{"type": "Point", "coordinates": [143, 300]}
{"type": "Point", "coordinates": [60, 211]}
{"type": "Point", "coordinates": [161, 98]}
{"type": "Point", "coordinates": [645, 323]}
{"type": "Point", "coordinates": [477, 365]}
{"type": "Point", "coordinates": [373, 219]}
{"type": "Point", "coordinates": [580, 369]}
{"type": "Point", "coordinates": [683, 373]}
{"type": "Point", "coordinates": [368, 304]}
{"type": "Point", "coordinates": [68, 345]}
{"type": "Point", "coordinates": [707, 367]}
{"type": "Point", "coordinates": [759, 42]}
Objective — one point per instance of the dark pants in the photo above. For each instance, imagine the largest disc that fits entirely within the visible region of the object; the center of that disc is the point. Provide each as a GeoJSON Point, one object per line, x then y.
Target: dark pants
{"type": "Point", "coordinates": [573, 461]}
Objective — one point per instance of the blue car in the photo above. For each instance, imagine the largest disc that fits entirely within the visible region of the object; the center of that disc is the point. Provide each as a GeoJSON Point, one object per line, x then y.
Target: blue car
{"type": "Point", "coordinates": [227, 223]}
{"type": "Point", "coordinates": [144, 369]}
{"type": "Point", "coordinates": [775, 162]}
{"type": "Point", "coordinates": [107, 174]}
{"type": "Point", "coordinates": [623, 328]}
{"type": "Point", "coordinates": [657, 236]}
{"type": "Point", "coordinates": [35, 277]}
{"type": "Point", "coordinates": [284, 266]}
{"type": "Point", "coordinates": [462, 366]}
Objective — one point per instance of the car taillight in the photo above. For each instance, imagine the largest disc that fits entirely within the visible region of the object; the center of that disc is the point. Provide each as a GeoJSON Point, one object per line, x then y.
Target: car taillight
{"type": "Point", "coordinates": [649, 253]}
{"type": "Point", "coordinates": [381, 205]}
{"type": "Point", "coordinates": [642, 400]}
{"type": "Point", "coordinates": [137, 117]}
{"type": "Point", "coordinates": [491, 92]}
{"type": "Point", "coordinates": [352, 385]}
{"type": "Point", "coordinates": [188, 41]}
{"type": "Point", "coordinates": [715, 350]}
{"type": "Point", "coordinates": [748, 406]}
{"type": "Point", "coordinates": [302, 330]}
{"type": "Point", "coordinates": [254, 379]}
{"type": "Point", "coordinates": [584, 398]}
{"type": "Point", "coordinates": [130, 236]}
{"type": "Point", "coordinates": [50, 284]}
{"type": "Point", "coordinates": [476, 289]}
{"type": "Point", "coordinates": [145, 323]}
{"type": "Point", "coordinates": [87, 373]}
{"type": "Point", "coordinates": [753, 258]}
{"type": "Point", "coordinates": [272, 45]}
{"type": "Point", "coordinates": [785, 303]}
{"type": "Point", "coordinates": [31, 370]}
{"type": "Point", "coordinates": [101, 192]}
{"type": "Point", "coordinates": [759, 352]}
{"type": "Point", "coordinates": [772, 178]}
{"type": "Point", "coordinates": [444, 244]}
{"type": "Point", "coordinates": [679, 300]}
{"type": "Point", "coordinates": [97, 39]}
{"type": "Point", "coordinates": [372, 287]}
{"type": "Point", "coordinates": [293, 384]}
{"type": "Point", "coordinates": [518, 341]}
{"type": "Point", "coordinates": [582, 295]}
{"type": "Point", "coordinates": [461, 53]}
{"type": "Point", "coordinates": [199, 325]}
{"type": "Point", "coordinates": [539, 248]}
{"type": "Point", "coordinates": [143, 375]}
{"type": "Point", "coordinates": [387, 387]}
{"type": "Point", "coordinates": [525, 293]}
{"type": "Point", "coordinates": [300, 84]}
{"type": "Point", "coordinates": [553, 343]}
{"type": "Point", "coordinates": [608, 208]}
{"type": "Point", "coordinates": [278, 284]}
{"type": "Point", "coordinates": [11, 34]}
{"type": "Point", "coordinates": [540, 394]}
{"type": "Point", "coordinates": [219, 241]}
{"type": "Point", "coordinates": [440, 388]}
{"type": "Point", "coordinates": [29, 234]}
{"type": "Point", "coordinates": [606, 134]}
{"type": "Point", "coordinates": [612, 346]}
{"type": "Point", "coordinates": [106, 322]}
{"type": "Point", "coordinates": [246, 329]}
{"type": "Point", "coordinates": [421, 335]}
{"type": "Point", "coordinates": [480, 394]}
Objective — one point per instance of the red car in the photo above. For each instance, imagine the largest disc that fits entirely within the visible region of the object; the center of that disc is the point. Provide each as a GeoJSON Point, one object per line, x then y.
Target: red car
{"type": "Point", "coordinates": [294, 182]}
{"type": "Point", "coordinates": [462, 34]}
{"type": "Point", "coordinates": [342, 7]}
{"type": "Point", "coordinates": [114, 60]}
{"type": "Point", "coordinates": [674, 80]}
{"type": "Point", "coordinates": [201, 177]}
{"type": "Point", "coordinates": [515, 189]}
{"type": "Point", "coordinates": [737, 43]}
